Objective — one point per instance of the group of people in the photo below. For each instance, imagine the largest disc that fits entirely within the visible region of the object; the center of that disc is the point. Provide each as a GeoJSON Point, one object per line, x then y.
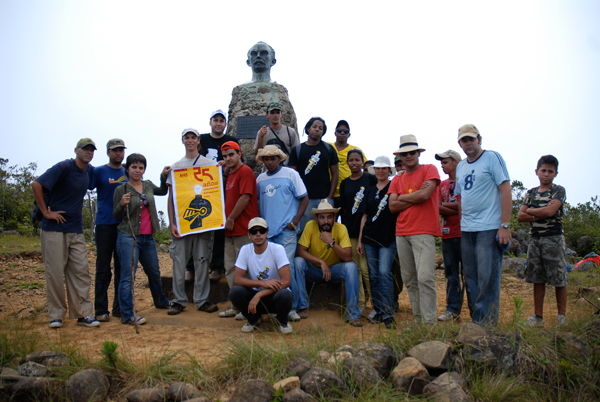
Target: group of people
{"type": "Point", "coordinates": [282, 228]}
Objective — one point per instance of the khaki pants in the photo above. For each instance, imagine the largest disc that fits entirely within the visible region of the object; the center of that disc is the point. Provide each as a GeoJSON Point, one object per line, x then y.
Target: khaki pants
{"type": "Point", "coordinates": [66, 262]}
{"type": "Point", "coordinates": [363, 271]}
{"type": "Point", "coordinates": [233, 244]}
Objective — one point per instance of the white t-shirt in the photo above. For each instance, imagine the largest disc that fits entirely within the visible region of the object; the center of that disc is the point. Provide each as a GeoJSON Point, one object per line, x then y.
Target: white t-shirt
{"type": "Point", "coordinates": [185, 163]}
{"type": "Point", "coordinates": [265, 266]}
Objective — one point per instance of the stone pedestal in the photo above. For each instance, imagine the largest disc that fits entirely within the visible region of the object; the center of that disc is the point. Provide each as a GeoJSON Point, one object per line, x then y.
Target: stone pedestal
{"type": "Point", "coordinates": [252, 99]}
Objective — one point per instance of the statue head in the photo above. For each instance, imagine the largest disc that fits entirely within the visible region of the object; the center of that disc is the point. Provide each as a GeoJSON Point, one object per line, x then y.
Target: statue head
{"type": "Point", "coordinates": [261, 57]}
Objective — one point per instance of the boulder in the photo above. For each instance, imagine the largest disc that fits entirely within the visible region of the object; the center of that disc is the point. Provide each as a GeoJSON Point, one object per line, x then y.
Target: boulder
{"type": "Point", "coordinates": [445, 380]}
{"type": "Point", "coordinates": [297, 395]}
{"type": "Point", "coordinates": [479, 349]}
{"type": "Point", "coordinates": [146, 395]}
{"type": "Point", "coordinates": [382, 357]}
{"type": "Point", "coordinates": [48, 358]}
{"type": "Point", "coordinates": [182, 391]}
{"type": "Point", "coordinates": [35, 389]}
{"type": "Point", "coordinates": [323, 356]}
{"type": "Point", "coordinates": [514, 264]}
{"type": "Point", "coordinates": [585, 266]}
{"type": "Point", "coordinates": [85, 386]}
{"type": "Point", "coordinates": [361, 371]}
{"type": "Point", "coordinates": [252, 391]}
{"type": "Point", "coordinates": [433, 354]}
{"type": "Point", "coordinates": [32, 369]}
{"type": "Point", "coordinates": [9, 371]}
{"type": "Point", "coordinates": [572, 347]}
{"type": "Point", "coordinates": [468, 331]}
{"type": "Point", "coordinates": [287, 384]}
{"type": "Point", "coordinates": [318, 381]}
{"type": "Point", "coordinates": [346, 348]}
{"type": "Point", "coordinates": [411, 376]}
{"type": "Point", "coordinates": [299, 366]}
{"type": "Point", "coordinates": [339, 357]}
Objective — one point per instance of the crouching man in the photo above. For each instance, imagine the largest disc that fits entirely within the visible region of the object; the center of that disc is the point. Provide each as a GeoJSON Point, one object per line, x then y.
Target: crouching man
{"type": "Point", "coordinates": [267, 289]}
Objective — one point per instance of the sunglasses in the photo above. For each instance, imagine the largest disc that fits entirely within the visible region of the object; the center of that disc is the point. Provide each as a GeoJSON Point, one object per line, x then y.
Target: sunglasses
{"type": "Point", "coordinates": [407, 153]}
{"type": "Point", "coordinates": [341, 130]}
{"type": "Point", "coordinates": [254, 231]}
{"type": "Point", "coordinates": [144, 199]}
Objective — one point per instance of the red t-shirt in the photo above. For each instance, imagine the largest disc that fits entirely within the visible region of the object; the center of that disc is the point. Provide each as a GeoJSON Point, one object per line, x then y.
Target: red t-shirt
{"type": "Point", "coordinates": [451, 223]}
{"type": "Point", "coordinates": [423, 218]}
{"type": "Point", "coordinates": [241, 182]}
{"type": "Point", "coordinates": [145, 222]}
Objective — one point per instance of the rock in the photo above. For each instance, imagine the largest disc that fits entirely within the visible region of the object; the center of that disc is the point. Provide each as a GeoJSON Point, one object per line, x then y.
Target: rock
{"type": "Point", "coordinates": [299, 366]}
{"type": "Point", "coordinates": [411, 376]}
{"type": "Point", "coordinates": [573, 348]}
{"type": "Point", "coordinates": [287, 384]}
{"type": "Point", "coordinates": [346, 348]}
{"type": "Point", "coordinates": [35, 389]}
{"type": "Point", "coordinates": [581, 302]}
{"type": "Point", "coordinates": [48, 358]}
{"type": "Point", "coordinates": [146, 395]}
{"type": "Point", "coordinates": [514, 264]}
{"type": "Point", "coordinates": [297, 395]}
{"type": "Point", "coordinates": [450, 393]}
{"type": "Point", "coordinates": [17, 361]}
{"type": "Point", "coordinates": [361, 371]}
{"type": "Point", "coordinates": [252, 391]}
{"type": "Point", "coordinates": [85, 386]}
{"type": "Point", "coordinates": [585, 244]}
{"type": "Point", "coordinates": [588, 292]}
{"type": "Point", "coordinates": [162, 248]}
{"type": "Point", "coordinates": [468, 331]}
{"type": "Point", "coordinates": [515, 247]}
{"type": "Point", "coordinates": [439, 262]}
{"type": "Point", "coordinates": [445, 380]}
{"type": "Point", "coordinates": [585, 266]}
{"type": "Point", "coordinates": [339, 357]}
{"type": "Point", "coordinates": [568, 251]}
{"type": "Point", "coordinates": [32, 369]}
{"type": "Point", "coordinates": [318, 381]}
{"type": "Point", "coordinates": [382, 357]}
{"type": "Point", "coordinates": [9, 371]}
{"type": "Point", "coordinates": [324, 356]}
{"type": "Point", "coordinates": [182, 391]}
{"type": "Point", "coordinates": [433, 354]}
{"type": "Point", "coordinates": [11, 232]}
{"type": "Point", "coordinates": [478, 347]}
{"type": "Point", "coordinates": [202, 399]}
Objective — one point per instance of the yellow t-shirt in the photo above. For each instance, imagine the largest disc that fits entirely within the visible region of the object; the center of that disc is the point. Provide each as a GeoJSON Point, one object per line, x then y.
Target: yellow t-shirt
{"type": "Point", "coordinates": [343, 165]}
{"type": "Point", "coordinates": [318, 248]}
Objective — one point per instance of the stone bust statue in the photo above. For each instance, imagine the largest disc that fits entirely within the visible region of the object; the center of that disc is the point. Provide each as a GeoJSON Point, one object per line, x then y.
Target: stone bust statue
{"type": "Point", "coordinates": [261, 57]}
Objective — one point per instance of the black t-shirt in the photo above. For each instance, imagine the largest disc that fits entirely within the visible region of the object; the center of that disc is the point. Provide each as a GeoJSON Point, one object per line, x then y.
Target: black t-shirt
{"type": "Point", "coordinates": [380, 227]}
{"type": "Point", "coordinates": [313, 164]}
{"type": "Point", "coordinates": [353, 201]}
{"type": "Point", "coordinates": [211, 147]}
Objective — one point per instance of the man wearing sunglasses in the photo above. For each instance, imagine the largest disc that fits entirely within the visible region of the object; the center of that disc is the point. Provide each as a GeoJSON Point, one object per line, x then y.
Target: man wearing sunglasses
{"type": "Point", "coordinates": [266, 290]}
{"type": "Point", "coordinates": [414, 195]}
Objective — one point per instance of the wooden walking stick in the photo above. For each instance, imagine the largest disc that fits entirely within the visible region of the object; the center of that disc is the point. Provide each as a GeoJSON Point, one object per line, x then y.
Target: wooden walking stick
{"type": "Point", "coordinates": [137, 330]}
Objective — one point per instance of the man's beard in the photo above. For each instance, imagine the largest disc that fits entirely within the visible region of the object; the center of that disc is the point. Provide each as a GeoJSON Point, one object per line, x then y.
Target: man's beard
{"type": "Point", "coordinates": [323, 229]}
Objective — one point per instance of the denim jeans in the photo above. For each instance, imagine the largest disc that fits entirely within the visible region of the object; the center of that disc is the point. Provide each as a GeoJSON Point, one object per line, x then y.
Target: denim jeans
{"type": "Point", "coordinates": [279, 302]}
{"type": "Point", "coordinates": [106, 249]}
{"type": "Point", "coordinates": [482, 265]}
{"type": "Point", "coordinates": [146, 253]}
{"type": "Point", "coordinates": [289, 241]}
{"type": "Point", "coordinates": [452, 262]}
{"type": "Point", "coordinates": [348, 271]}
{"type": "Point", "coordinates": [380, 260]}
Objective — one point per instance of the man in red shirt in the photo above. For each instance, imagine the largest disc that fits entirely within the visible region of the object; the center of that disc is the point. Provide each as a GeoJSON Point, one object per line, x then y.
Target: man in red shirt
{"type": "Point", "coordinates": [413, 195]}
{"type": "Point", "coordinates": [241, 205]}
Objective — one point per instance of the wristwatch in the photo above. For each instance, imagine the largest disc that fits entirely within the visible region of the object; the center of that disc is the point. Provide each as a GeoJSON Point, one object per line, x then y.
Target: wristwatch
{"type": "Point", "coordinates": [505, 225]}
{"type": "Point", "coordinates": [332, 244]}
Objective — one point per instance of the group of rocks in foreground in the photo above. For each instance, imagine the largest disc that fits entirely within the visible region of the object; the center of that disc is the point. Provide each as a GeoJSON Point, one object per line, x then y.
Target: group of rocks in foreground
{"type": "Point", "coordinates": [425, 369]}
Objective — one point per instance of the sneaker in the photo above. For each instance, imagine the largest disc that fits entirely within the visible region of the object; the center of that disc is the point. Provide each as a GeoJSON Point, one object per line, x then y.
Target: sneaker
{"type": "Point", "coordinates": [377, 319]}
{"type": "Point", "coordinates": [140, 321]}
{"type": "Point", "coordinates": [56, 324]}
{"type": "Point", "coordinates": [175, 309]}
{"type": "Point", "coordinates": [232, 312]}
{"type": "Point", "coordinates": [361, 310]}
{"type": "Point", "coordinates": [303, 313]}
{"type": "Point", "coordinates": [251, 327]}
{"type": "Point", "coordinates": [215, 276]}
{"type": "Point", "coordinates": [390, 323]}
{"type": "Point", "coordinates": [208, 307]}
{"type": "Point", "coordinates": [102, 318]}
{"type": "Point", "coordinates": [189, 276]}
{"type": "Point", "coordinates": [372, 314]}
{"type": "Point", "coordinates": [448, 316]}
{"type": "Point", "coordinates": [88, 321]}
{"type": "Point", "coordinates": [240, 317]}
{"type": "Point", "coordinates": [561, 319]}
{"type": "Point", "coordinates": [164, 306]}
{"type": "Point", "coordinates": [293, 316]}
{"type": "Point", "coordinates": [286, 329]}
{"type": "Point", "coordinates": [535, 321]}
{"type": "Point", "coordinates": [355, 322]}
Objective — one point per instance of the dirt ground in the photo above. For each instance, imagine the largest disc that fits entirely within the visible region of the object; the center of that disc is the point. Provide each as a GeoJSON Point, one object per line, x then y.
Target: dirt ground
{"type": "Point", "coordinates": [201, 335]}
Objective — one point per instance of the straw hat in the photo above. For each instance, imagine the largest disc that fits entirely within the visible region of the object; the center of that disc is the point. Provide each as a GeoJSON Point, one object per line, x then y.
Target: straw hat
{"type": "Point", "coordinates": [408, 143]}
{"type": "Point", "coordinates": [324, 207]}
{"type": "Point", "coordinates": [270, 150]}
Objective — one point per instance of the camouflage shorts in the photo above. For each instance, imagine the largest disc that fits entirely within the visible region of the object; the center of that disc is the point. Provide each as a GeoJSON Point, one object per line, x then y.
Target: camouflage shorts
{"type": "Point", "coordinates": [546, 261]}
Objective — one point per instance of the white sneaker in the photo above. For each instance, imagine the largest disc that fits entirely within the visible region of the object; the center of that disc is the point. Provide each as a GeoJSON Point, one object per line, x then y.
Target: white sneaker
{"type": "Point", "coordinates": [293, 316]}
{"type": "Point", "coordinates": [287, 329]}
{"type": "Point", "coordinates": [447, 316]}
{"type": "Point", "coordinates": [240, 317]}
{"type": "Point", "coordinates": [561, 319]}
{"type": "Point", "coordinates": [56, 324]}
{"type": "Point", "coordinates": [534, 321]}
{"type": "Point", "coordinates": [247, 328]}
{"type": "Point", "coordinates": [372, 314]}
{"type": "Point", "coordinates": [232, 312]}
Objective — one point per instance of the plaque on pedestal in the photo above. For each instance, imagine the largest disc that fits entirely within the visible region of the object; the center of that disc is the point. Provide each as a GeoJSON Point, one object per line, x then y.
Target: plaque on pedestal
{"type": "Point", "coordinates": [248, 126]}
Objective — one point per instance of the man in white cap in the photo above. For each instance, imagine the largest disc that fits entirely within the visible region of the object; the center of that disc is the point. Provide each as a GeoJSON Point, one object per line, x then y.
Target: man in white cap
{"type": "Point", "coordinates": [266, 289]}
{"type": "Point", "coordinates": [199, 246]}
{"type": "Point", "coordinates": [325, 254]}
{"type": "Point", "coordinates": [282, 200]}
{"type": "Point", "coordinates": [414, 195]}
{"type": "Point", "coordinates": [485, 206]}
{"type": "Point", "coordinates": [448, 200]}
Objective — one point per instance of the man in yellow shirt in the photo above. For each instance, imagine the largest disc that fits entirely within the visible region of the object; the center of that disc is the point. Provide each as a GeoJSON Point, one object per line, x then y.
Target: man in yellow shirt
{"type": "Point", "coordinates": [342, 133]}
{"type": "Point", "coordinates": [324, 254]}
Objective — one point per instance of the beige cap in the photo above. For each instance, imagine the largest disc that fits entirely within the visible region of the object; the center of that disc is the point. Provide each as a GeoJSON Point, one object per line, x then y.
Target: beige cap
{"type": "Point", "coordinates": [257, 222]}
{"type": "Point", "coordinates": [468, 130]}
{"type": "Point", "coordinates": [448, 154]}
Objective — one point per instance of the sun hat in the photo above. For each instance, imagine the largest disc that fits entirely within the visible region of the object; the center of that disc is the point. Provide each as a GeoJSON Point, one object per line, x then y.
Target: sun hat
{"type": "Point", "coordinates": [257, 222]}
{"type": "Point", "coordinates": [190, 130]}
{"type": "Point", "coordinates": [324, 207]}
{"type": "Point", "coordinates": [216, 112]}
{"type": "Point", "coordinates": [448, 154]}
{"type": "Point", "coordinates": [382, 162]}
{"type": "Point", "coordinates": [270, 150]}
{"type": "Point", "coordinates": [115, 143]}
{"type": "Point", "coordinates": [468, 130]}
{"type": "Point", "coordinates": [408, 143]}
{"type": "Point", "coordinates": [84, 142]}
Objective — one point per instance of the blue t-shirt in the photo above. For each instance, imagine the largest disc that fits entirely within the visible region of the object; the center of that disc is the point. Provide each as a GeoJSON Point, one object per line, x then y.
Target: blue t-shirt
{"type": "Point", "coordinates": [477, 183]}
{"type": "Point", "coordinates": [279, 197]}
{"type": "Point", "coordinates": [67, 186]}
{"type": "Point", "coordinates": [106, 179]}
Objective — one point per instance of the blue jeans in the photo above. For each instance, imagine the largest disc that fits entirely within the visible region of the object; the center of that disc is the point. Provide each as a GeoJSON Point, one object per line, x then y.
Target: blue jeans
{"type": "Point", "coordinates": [482, 265]}
{"type": "Point", "coordinates": [348, 271]}
{"type": "Point", "coordinates": [380, 260]}
{"type": "Point", "coordinates": [146, 253]}
{"type": "Point", "coordinates": [106, 249]}
{"type": "Point", "coordinates": [289, 241]}
{"type": "Point", "coordinates": [452, 261]}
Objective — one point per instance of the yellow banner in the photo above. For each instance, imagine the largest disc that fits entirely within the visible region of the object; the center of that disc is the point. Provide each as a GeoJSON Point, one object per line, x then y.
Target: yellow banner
{"type": "Point", "coordinates": [198, 199]}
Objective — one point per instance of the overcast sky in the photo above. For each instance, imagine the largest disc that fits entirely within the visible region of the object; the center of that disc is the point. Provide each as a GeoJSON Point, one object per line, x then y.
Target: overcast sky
{"type": "Point", "coordinates": [526, 73]}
